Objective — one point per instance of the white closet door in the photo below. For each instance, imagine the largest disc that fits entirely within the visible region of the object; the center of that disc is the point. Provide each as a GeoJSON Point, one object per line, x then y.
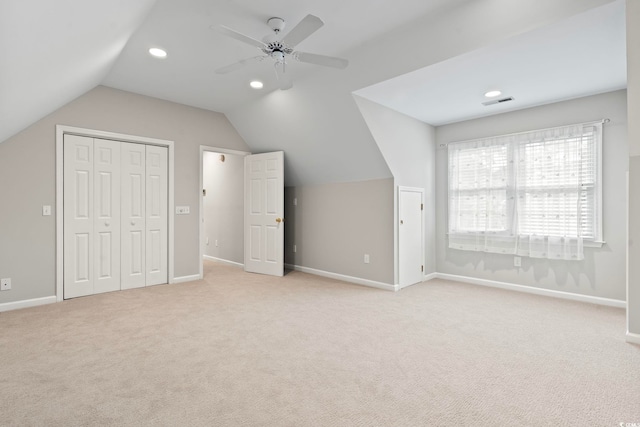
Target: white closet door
{"type": "Point", "coordinates": [106, 222]}
{"type": "Point", "coordinates": [133, 215]}
{"type": "Point", "coordinates": [78, 216]}
{"type": "Point", "coordinates": [410, 236]}
{"type": "Point", "coordinates": [156, 215]}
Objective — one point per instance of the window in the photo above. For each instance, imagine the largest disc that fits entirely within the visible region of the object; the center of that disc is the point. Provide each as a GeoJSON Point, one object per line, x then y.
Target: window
{"type": "Point", "coordinates": [534, 193]}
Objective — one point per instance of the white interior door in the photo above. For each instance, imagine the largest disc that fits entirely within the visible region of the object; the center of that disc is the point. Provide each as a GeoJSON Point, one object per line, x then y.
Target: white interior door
{"type": "Point", "coordinates": [156, 215]}
{"type": "Point", "coordinates": [133, 228]}
{"type": "Point", "coordinates": [78, 216]}
{"type": "Point", "coordinates": [410, 236]}
{"type": "Point", "coordinates": [264, 213]}
{"type": "Point", "coordinates": [106, 224]}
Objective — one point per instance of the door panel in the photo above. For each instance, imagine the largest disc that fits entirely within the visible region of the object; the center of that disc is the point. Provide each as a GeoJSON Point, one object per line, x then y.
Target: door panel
{"type": "Point", "coordinates": [264, 213]}
{"type": "Point", "coordinates": [83, 257]}
{"type": "Point", "coordinates": [107, 215]}
{"type": "Point", "coordinates": [156, 215]}
{"type": "Point", "coordinates": [410, 237]}
{"type": "Point", "coordinates": [133, 215]}
{"type": "Point", "coordinates": [78, 216]}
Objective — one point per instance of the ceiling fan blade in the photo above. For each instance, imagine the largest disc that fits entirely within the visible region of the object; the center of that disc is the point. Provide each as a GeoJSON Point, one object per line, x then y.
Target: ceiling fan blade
{"type": "Point", "coordinates": [241, 37]}
{"type": "Point", "coordinates": [238, 65]}
{"type": "Point", "coordinates": [309, 25]}
{"type": "Point", "coordinates": [327, 61]}
{"type": "Point", "coordinates": [284, 79]}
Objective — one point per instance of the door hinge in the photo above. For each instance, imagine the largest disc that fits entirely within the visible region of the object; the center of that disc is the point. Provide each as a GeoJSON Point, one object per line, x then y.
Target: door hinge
{"type": "Point", "coordinates": [422, 268]}
{"type": "Point", "coordinates": [421, 206]}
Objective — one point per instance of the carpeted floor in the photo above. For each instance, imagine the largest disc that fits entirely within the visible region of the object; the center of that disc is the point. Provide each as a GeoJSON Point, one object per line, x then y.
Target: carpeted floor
{"type": "Point", "coordinates": [239, 349]}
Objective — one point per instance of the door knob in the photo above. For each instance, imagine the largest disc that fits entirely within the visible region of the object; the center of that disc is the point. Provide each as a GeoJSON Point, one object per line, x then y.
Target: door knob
{"type": "Point", "coordinates": [133, 223]}
{"type": "Point", "coordinates": [279, 220]}
{"type": "Point", "coordinates": [401, 222]}
{"type": "Point", "coordinates": [106, 224]}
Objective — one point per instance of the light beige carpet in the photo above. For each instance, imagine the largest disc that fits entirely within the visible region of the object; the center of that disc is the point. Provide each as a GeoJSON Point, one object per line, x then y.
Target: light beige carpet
{"type": "Point", "coordinates": [240, 349]}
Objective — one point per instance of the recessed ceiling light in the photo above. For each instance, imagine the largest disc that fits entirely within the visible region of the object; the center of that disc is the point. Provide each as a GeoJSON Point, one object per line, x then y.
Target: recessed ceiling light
{"type": "Point", "coordinates": [493, 93]}
{"type": "Point", "coordinates": [157, 52]}
{"type": "Point", "coordinates": [256, 84]}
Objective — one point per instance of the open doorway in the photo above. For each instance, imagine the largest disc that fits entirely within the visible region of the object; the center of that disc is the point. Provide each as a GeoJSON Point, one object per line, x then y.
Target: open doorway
{"type": "Point", "coordinates": [221, 206]}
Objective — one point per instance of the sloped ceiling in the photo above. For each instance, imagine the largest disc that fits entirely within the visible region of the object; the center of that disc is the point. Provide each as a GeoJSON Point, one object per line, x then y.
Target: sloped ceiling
{"type": "Point", "coordinates": [55, 51]}
{"type": "Point", "coordinates": [579, 56]}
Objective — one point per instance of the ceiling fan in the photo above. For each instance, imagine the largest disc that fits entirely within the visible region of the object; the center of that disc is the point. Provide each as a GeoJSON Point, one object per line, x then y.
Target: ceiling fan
{"type": "Point", "coordinates": [282, 49]}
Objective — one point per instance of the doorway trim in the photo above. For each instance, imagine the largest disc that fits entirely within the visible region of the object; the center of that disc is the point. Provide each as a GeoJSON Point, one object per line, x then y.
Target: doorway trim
{"type": "Point", "coordinates": [210, 149]}
{"type": "Point", "coordinates": [61, 130]}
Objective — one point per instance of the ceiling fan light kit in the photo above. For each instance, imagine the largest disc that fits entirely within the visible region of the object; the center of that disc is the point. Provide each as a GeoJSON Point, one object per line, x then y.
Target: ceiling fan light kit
{"type": "Point", "coordinates": [280, 49]}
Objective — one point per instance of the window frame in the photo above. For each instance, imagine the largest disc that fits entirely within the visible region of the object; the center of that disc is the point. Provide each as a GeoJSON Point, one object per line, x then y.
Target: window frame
{"type": "Point", "coordinates": [598, 238]}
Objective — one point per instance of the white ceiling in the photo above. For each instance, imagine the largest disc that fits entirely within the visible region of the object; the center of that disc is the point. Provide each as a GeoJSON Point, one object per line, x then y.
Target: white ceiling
{"type": "Point", "coordinates": [579, 56]}
{"type": "Point", "coordinates": [188, 30]}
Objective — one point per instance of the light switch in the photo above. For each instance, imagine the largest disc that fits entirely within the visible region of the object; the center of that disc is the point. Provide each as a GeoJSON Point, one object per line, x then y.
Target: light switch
{"type": "Point", "coordinates": [182, 210]}
{"type": "Point", "coordinates": [46, 210]}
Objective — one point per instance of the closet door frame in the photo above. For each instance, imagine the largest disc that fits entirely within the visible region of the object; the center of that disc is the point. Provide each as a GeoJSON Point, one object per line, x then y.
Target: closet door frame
{"type": "Point", "coordinates": [61, 130]}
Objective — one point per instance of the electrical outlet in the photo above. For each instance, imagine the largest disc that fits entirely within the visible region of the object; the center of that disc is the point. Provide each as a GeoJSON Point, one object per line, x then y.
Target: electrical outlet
{"type": "Point", "coordinates": [295, 201]}
{"type": "Point", "coordinates": [216, 243]}
{"type": "Point", "coordinates": [5, 284]}
{"type": "Point", "coordinates": [294, 248]}
{"type": "Point", "coordinates": [207, 243]}
{"type": "Point", "coordinates": [366, 258]}
{"type": "Point", "coordinates": [517, 261]}
{"type": "Point", "coordinates": [46, 210]}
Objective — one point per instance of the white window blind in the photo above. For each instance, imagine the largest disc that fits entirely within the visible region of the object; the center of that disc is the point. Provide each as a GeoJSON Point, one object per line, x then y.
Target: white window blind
{"type": "Point", "coordinates": [534, 194]}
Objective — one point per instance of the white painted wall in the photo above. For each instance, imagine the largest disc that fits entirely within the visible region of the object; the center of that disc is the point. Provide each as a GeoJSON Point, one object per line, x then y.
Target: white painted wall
{"type": "Point", "coordinates": [223, 206]}
{"type": "Point", "coordinates": [602, 273]}
{"type": "Point", "coordinates": [409, 148]}
{"type": "Point", "coordinates": [27, 179]}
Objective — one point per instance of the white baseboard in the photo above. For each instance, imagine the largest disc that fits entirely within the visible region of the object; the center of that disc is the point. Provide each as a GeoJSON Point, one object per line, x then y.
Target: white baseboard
{"type": "Point", "coordinates": [533, 290]}
{"type": "Point", "coordinates": [7, 306]}
{"type": "Point", "coordinates": [429, 276]}
{"type": "Point", "coordinates": [184, 279]}
{"type": "Point", "coordinates": [344, 278]}
{"type": "Point", "coordinates": [223, 261]}
{"type": "Point", "coordinates": [633, 338]}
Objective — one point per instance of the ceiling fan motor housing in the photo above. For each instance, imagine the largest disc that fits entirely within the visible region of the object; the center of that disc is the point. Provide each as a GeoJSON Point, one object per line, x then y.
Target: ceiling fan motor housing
{"type": "Point", "coordinates": [277, 46]}
{"type": "Point", "coordinates": [276, 24]}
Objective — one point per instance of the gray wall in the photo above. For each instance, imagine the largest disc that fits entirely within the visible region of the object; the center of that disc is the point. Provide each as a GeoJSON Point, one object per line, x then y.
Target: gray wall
{"type": "Point", "coordinates": [334, 225]}
{"type": "Point", "coordinates": [27, 178]}
{"type": "Point", "coordinates": [602, 273]}
{"type": "Point", "coordinates": [633, 95]}
{"type": "Point", "coordinates": [223, 206]}
{"type": "Point", "coordinates": [409, 148]}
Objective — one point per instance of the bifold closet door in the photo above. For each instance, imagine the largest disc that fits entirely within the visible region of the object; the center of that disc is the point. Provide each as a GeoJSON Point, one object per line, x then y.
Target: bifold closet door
{"type": "Point", "coordinates": [91, 207]}
{"type": "Point", "coordinates": [133, 202]}
{"type": "Point", "coordinates": [115, 215]}
{"type": "Point", "coordinates": [144, 215]}
{"type": "Point", "coordinates": [106, 224]}
{"type": "Point", "coordinates": [156, 215]}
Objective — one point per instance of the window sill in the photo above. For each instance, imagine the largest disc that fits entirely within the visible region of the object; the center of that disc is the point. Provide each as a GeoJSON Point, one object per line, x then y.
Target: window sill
{"type": "Point", "coordinates": [593, 244]}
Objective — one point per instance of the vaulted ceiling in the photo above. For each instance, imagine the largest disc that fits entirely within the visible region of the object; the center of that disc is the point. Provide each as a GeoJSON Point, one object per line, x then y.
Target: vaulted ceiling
{"type": "Point", "coordinates": [53, 52]}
